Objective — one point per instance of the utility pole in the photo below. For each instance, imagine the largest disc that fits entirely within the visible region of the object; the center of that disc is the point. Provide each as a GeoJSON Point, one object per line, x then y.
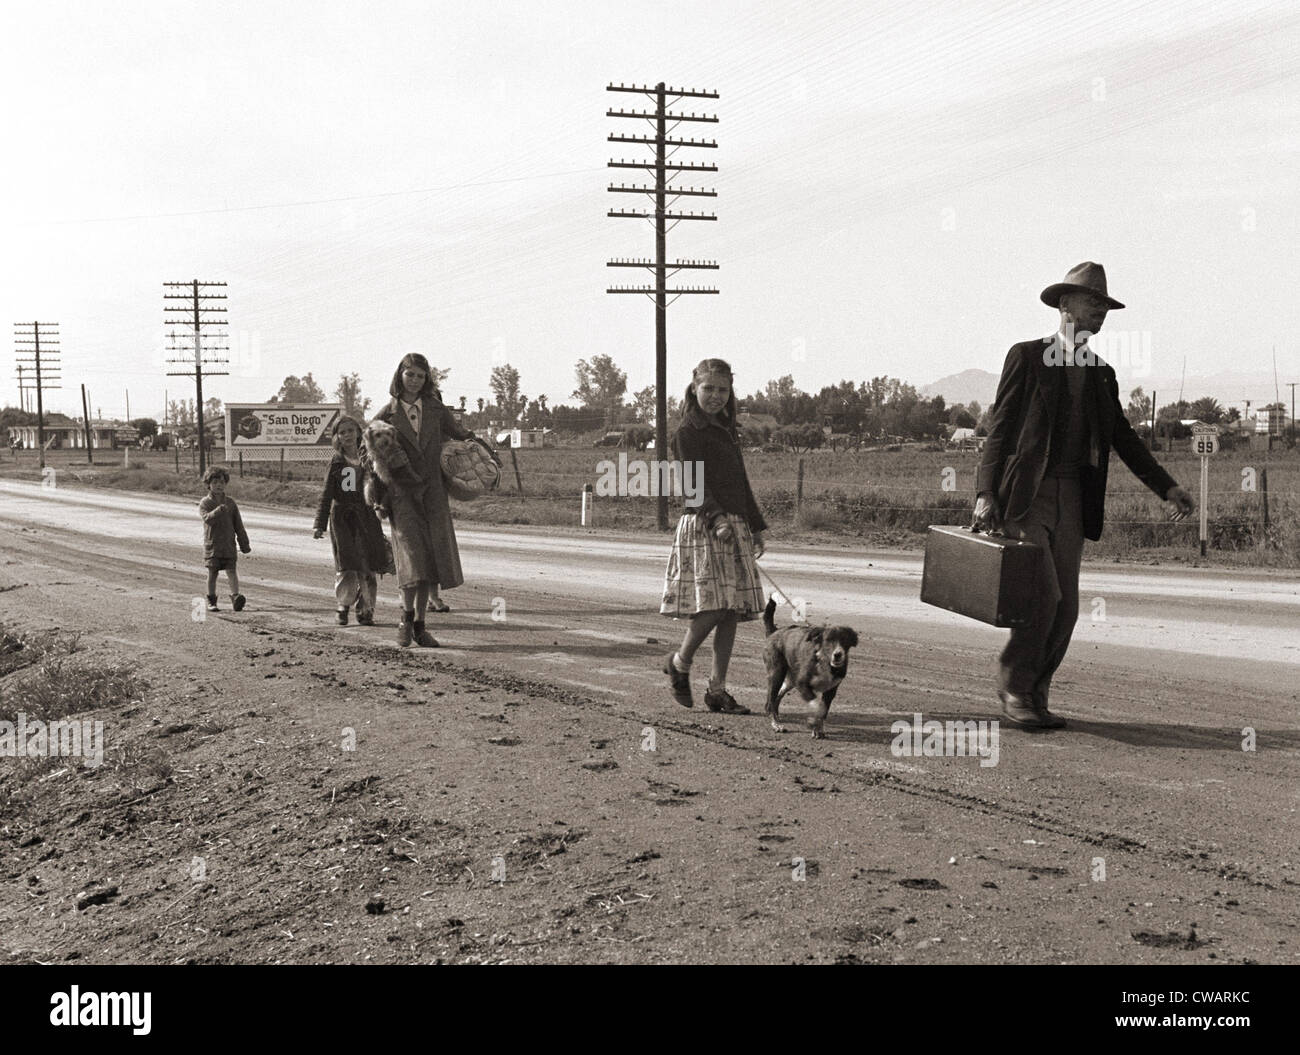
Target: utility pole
{"type": "Point", "coordinates": [27, 340]}
{"type": "Point", "coordinates": [663, 220]}
{"type": "Point", "coordinates": [1291, 385]}
{"type": "Point", "coordinates": [199, 310]}
{"type": "Point", "coordinates": [22, 389]}
{"type": "Point", "coordinates": [85, 425]}
{"type": "Point", "coordinates": [1154, 445]}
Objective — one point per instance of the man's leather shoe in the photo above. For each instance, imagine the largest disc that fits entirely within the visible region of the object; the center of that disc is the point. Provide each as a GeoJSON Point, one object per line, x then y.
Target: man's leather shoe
{"type": "Point", "coordinates": [1048, 719]}
{"type": "Point", "coordinates": [1020, 710]}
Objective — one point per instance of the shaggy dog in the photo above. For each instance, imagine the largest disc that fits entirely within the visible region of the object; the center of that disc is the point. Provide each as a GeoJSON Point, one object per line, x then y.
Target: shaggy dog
{"type": "Point", "coordinates": [811, 660]}
{"type": "Point", "coordinates": [383, 461]}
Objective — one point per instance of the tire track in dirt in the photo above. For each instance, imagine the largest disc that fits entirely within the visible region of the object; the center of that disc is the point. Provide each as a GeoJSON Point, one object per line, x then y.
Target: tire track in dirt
{"type": "Point", "coordinates": [902, 669]}
{"type": "Point", "coordinates": [68, 556]}
{"type": "Point", "coordinates": [881, 779]}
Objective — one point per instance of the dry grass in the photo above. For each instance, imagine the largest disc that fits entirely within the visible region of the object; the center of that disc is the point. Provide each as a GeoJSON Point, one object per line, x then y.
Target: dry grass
{"type": "Point", "coordinates": [45, 678]}
{"type": "Point", "coordinates": [883, 497]}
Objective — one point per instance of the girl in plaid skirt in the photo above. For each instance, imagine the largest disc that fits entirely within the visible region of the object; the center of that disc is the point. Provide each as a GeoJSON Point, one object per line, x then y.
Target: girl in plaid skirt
{"type": "Point", "coordinates": [712, 577]}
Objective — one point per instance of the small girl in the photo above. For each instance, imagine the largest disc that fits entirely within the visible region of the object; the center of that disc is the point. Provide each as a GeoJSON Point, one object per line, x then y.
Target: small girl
{"type": "Point", "coordinates": [712, 577]}
{"type": "Point", "coordinates": [360, 550]}
{"type": "Point", "coordinates": [222, 528]}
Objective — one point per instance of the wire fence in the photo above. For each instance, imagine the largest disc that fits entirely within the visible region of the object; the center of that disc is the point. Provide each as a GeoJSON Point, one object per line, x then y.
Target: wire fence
{"type": "Point", "coordinates": [1253, 499]}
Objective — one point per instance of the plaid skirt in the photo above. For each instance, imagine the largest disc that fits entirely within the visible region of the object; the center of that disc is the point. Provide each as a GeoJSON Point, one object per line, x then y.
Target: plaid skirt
{"type": "Point", "coordinates": [705, 575]}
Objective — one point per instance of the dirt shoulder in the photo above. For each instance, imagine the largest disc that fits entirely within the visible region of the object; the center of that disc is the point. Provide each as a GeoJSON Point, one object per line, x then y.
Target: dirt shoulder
{"type": "Point", "coordinates": [488, 815]}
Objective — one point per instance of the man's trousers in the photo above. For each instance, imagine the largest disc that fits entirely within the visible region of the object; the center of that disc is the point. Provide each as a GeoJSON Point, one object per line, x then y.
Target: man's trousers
{"type": "Point", "coordinates": [1055, 522]}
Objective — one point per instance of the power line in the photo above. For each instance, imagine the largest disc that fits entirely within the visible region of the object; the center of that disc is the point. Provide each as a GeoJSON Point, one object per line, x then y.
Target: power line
{"type": "Point", "coordinates": [322, 201]}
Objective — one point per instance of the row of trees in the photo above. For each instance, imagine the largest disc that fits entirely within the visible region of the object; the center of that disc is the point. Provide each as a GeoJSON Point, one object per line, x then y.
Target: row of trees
{"type": "Point", "coordinates": [881, 407]}
{"type": "Point", "coordinates": [1168, 418]}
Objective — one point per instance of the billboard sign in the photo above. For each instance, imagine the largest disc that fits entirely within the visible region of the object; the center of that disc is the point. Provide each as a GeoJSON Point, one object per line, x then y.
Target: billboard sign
{"type": "Point", "coordinates": [300, 430]}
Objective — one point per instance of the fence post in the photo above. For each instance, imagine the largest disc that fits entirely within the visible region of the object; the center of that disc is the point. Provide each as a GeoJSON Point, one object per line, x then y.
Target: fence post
{"type": "Point", "coordinates": [177, 451]}
{"type": "Point", "coordinates": [1263, 486]}
{"type": "Point", "coordinates": [281, 465]}
{"type": "Point", "coordinates": [519, 486]}
{"type": "Point", "coordinates": [241, 465]}
{"type": "Point", "coordinates": [798, 493]}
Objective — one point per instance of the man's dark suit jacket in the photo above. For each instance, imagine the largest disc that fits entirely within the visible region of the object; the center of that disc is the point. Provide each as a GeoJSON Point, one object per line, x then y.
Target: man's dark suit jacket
{"type": "Point", "coordinates": [1024, 422]}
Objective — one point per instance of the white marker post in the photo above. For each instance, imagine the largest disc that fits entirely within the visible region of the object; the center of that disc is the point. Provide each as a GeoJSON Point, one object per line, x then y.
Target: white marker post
{"type": "Point", "coordinates": [588, 510]}
{"type": "Point", "coordinates": [1205, 441]}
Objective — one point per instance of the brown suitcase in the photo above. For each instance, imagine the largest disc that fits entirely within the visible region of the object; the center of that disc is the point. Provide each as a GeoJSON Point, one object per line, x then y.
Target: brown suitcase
{"type": "Point", "coordinates": [987, 577]}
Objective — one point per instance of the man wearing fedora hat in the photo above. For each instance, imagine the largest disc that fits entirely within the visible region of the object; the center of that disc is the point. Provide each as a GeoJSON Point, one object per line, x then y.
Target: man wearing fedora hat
{"type": "Point", "coordinates": [1055, 420]}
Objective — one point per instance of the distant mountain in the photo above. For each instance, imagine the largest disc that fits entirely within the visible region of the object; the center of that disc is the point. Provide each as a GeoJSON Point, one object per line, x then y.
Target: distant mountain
{"type": "Point", "coordinates": [1231, 388]}
{"type": "Point", "coordinates": [979, 385]}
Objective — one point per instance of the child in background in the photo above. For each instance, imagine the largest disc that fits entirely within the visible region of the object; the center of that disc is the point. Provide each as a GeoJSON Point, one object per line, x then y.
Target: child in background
{"type": "Point", "coordinates": [359, 547]}
{"type": "Point", "coordinates": [222, 526]}
{"type": "Point", "coordinates": [712, 577]}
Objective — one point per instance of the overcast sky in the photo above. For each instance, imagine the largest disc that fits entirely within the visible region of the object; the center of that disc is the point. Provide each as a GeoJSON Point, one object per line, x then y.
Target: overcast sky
{"type": "Point", "coordinates": [897, 183]}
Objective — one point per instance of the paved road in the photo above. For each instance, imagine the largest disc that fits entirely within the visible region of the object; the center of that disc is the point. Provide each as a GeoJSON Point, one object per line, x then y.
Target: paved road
{"type": "Point", "coordinates": [1168, 668]}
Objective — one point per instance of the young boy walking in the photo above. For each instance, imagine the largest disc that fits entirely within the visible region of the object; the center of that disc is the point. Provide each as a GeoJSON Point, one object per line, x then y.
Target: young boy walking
{"type": "Point", "coordinates": [222, 527]}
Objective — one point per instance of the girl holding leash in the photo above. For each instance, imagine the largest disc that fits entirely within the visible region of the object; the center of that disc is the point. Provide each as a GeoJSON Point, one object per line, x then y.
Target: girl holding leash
{"type": "Point", "coordinates": [712, 577]}
{"type": "Point", "coordinates": [360, 550]}
{"type": "Point", "coordinates": [424, 541]}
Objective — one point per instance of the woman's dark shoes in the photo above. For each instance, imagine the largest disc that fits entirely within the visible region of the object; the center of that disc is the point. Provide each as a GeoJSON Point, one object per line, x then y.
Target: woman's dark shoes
{"type": "Point", "coordinates": [680, 682]}
{"type": "Point", "coordinates": [404, 630]}
{"type": "Point", "coordinates": [343, 617]}
{"type": "Point", "coordinates": [212, 604]}
{"type": "Point", "coordinates": [422, 637]}
{"type": "Point", "coordinates": [238, 602]}
{"type": "Point", "coordinates": [365, 617]}
{"type": "Point", "coordinates": [437, 604]}
{"type": "Point", "coordinates": [724, 702]}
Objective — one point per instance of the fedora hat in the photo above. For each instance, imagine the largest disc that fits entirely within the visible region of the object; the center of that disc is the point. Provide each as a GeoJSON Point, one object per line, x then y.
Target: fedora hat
{"type": "Point", "coordinates": [1086, 277]}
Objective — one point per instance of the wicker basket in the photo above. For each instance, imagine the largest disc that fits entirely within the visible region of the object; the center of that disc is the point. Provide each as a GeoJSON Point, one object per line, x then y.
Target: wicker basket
{"type": "Point", "coordinates": [468, 470]}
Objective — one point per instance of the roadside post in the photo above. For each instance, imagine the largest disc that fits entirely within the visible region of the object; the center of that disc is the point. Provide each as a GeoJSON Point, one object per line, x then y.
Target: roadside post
{"type": "Point", "coordinates": [514, 462]}
{"type": "Point", "coordinates": [588, 497]}
{"type": "Point", "coordinates": [1205, 442]}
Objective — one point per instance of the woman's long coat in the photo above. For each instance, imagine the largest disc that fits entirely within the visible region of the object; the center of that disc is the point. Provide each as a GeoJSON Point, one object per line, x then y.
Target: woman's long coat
{"type": "Point", "coordinates": [424, 541]}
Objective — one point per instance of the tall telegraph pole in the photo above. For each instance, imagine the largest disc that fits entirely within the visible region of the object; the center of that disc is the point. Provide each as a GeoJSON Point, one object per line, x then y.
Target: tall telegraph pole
{"type": "Point", "coordinates": [197, 314]}
{"type": "Point", "coordinates": [664, 197]}
{"type": "Point", "coordinates": [37, 344]}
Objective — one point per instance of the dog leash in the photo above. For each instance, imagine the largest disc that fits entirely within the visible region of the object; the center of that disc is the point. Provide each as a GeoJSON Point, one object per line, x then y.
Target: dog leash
{"type": "Point", "coordinates": [785, 597]}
